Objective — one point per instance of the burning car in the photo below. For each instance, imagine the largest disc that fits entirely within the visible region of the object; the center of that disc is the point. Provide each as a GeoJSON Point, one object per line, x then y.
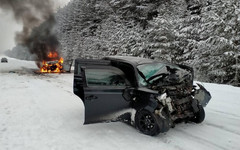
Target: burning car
{"type": "Point", "coordinates": [53, 64]}
{"type": "Point", "coordinates": [150, 95]}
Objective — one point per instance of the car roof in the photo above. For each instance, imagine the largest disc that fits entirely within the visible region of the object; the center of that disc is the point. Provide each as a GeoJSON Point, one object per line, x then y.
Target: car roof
{"type": "Point", "coordinates": [130, 59]}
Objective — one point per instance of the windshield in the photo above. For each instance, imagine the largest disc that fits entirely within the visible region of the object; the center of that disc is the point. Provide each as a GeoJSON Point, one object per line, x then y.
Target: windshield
{"type": "Point", "coordinates": [150, 70]}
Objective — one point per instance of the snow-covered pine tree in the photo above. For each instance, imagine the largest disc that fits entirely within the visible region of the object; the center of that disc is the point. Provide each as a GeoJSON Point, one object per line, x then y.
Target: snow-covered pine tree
{"type": "Point", "coordinates": [77, 26]}
{"type": "Point", "coordinates": [94, 28]}
{"type": "Point", "coordinates": [200, 33]}
{"type": "Point", "coordinates": [218, 46]}
{"type": "Point", "coordinates": [163, 35]}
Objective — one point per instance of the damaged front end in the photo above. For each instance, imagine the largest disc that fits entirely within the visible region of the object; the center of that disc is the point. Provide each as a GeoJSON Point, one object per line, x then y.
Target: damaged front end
{"type": "Point", "coordinates": [178, 99]}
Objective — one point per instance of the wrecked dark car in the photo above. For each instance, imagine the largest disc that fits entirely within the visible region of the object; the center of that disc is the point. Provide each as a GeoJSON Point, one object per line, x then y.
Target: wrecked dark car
{"type": "Point", "coordinates": [150, 95]}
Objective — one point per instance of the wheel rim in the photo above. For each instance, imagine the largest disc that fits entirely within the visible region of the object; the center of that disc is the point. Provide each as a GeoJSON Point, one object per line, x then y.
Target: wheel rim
{"type": "Point", "coordinates": [146, 122]}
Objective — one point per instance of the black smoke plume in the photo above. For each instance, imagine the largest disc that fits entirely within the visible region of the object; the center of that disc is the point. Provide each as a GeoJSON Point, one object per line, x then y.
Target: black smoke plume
{"type": "Point", "coordinates": [37, 17]}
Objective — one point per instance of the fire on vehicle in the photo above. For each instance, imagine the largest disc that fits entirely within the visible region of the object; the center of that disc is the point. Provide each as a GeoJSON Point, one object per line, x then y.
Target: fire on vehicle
{"type": "Point", "coordinates": [54, 65]}
{"type": "Point", "coordinates": [150, 95]}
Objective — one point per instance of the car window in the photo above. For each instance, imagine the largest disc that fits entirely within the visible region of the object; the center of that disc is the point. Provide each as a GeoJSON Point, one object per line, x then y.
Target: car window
{"type": "Point", "coordinates": [105, 77]}
{"type": "Point", "coordinates": [150, 70]}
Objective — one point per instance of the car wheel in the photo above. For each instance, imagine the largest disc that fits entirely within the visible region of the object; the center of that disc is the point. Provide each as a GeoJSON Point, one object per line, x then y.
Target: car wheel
{"type": "Point", "coordinates": [199, 116]}
{"type": "Point", "coordinates": [148, 122]}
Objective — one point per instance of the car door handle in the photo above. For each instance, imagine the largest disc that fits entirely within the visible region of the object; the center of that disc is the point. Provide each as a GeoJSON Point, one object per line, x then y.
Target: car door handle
{"type": "Point", "coordinates": [91, 97]}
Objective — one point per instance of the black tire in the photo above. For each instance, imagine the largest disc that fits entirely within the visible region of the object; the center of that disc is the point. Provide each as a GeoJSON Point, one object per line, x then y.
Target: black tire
{"type": "Point", "coordinates": [148, 123]}
{"type": "Point", "coordinates": [199, 116]}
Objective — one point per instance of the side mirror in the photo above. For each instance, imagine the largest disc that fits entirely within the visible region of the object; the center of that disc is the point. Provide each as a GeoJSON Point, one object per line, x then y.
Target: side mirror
{"type": "Point", "coordinates": [128, 93]}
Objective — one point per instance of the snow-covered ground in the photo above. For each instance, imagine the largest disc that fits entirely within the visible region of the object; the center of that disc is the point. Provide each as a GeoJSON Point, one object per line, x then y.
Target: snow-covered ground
{"type": "Point", "coordinates": [40, 112]}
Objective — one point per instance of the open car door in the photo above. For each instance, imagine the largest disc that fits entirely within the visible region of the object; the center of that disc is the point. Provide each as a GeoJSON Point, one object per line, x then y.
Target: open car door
{"type": "Point", "coordinates": [101, 91]}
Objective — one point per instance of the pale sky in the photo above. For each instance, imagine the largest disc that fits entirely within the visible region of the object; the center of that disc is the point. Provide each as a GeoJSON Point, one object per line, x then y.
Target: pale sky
{"type": "Point", "coordinates": [8, 27]}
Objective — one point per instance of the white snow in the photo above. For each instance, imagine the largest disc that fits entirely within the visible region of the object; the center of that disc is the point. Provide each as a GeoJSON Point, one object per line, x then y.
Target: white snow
{"type": "Point", "coordinates": [40, 112]}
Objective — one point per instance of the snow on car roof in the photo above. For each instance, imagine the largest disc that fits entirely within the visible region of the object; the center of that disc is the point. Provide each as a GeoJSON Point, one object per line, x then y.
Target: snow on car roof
{"type": "Point", "coordinates": [130, 59]}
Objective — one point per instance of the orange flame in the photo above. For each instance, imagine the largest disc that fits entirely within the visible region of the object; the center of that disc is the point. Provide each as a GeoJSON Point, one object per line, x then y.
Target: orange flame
{"type": "Point", "coordinates": [52, 66]}
{"type": "Point", "coordinates": [52, 55]}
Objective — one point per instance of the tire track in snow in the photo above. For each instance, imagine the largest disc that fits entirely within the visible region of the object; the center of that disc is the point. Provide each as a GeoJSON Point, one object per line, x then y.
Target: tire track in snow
{"type": "Point", "coordinates": [223, 128]}
{"type": "Point", "coordinates": [201, 140]}
{"type": "Point", "coordinates": [225, 113]}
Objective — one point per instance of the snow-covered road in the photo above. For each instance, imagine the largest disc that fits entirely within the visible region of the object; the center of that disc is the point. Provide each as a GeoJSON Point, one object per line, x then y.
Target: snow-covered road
{"type": "Point", "coordinates": [40, 112]}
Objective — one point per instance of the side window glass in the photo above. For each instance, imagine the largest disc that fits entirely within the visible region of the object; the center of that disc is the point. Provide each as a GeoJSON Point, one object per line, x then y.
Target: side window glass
{"type": "Point", "coordinates": [105, 77]}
